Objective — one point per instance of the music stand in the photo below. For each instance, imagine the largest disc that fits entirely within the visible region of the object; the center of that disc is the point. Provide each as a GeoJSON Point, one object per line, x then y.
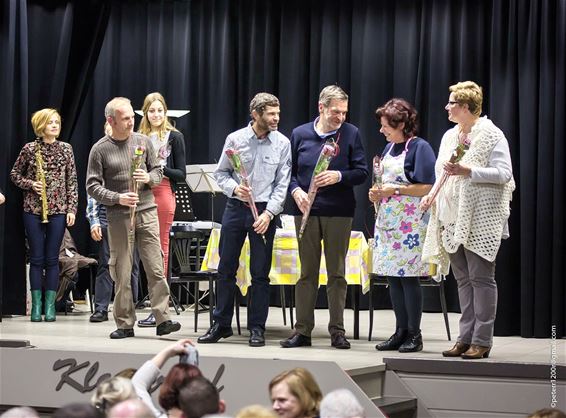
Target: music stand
{"type": "Point", "coordinates": [184, 208]}
{"type": "Point", "coordinates": [201, 180]}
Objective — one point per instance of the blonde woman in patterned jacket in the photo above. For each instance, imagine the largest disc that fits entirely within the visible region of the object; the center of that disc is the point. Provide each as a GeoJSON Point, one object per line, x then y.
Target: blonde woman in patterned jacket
{"type": "Point", "coordinates": [61, 190]}
{"type": "Point", "coordinates": [469, 216]}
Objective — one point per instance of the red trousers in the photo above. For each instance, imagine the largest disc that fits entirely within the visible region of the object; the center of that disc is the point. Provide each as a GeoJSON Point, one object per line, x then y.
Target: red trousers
{"type": "Point", "coordinates": [165, 200]}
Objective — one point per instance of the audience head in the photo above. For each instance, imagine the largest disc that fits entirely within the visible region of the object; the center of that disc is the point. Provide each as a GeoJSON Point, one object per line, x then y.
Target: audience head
{"type": "Point", "coordinates": [548, 413]}
{"type": "Point", "coordinates": [341, 403]}
{"type": "Point", "coordinates": [77, 410]}
{"type": "Point", "coordinates": [20, 412]}
{"type": "Point", "coordinates": [397, 112]}
{"type": "Point", "coordinates": [295, 393]}
{"type": "Point", "coordinates": [127, 373]}
{"type": "Point", "coordinates": [40, 120]}
{"type": "Point", "coordinates": [132, 408]}
{"type": "Point", "coordinates": [112, 391]}
{"type": "Point", "coordinates": [178, 377]}
{"type": "Point", "coordinates": [256, 411]}
{"type": "Point", "coordinates": [199, 398]}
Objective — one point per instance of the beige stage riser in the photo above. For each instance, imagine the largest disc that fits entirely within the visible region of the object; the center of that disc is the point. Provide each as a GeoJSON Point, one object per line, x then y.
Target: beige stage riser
{"type": "Point", "coordinates": [52, 378]}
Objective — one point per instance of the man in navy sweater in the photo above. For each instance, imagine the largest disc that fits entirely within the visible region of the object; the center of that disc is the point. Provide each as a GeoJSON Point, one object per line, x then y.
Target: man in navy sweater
{"type": "Point", "coordinates": [331, 214]}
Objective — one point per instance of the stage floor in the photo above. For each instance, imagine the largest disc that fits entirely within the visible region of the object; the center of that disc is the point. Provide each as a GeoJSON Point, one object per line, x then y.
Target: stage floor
{"type": "Point", "coordinates": [74, 332]}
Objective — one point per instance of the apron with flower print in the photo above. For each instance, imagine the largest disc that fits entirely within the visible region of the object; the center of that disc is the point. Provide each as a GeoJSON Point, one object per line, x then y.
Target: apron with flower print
{"type": "Point", "coordinates": [399, 230]}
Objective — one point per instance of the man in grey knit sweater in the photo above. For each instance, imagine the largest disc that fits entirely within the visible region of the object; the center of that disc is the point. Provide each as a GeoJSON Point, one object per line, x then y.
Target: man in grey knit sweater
{"type": "Point", "coordinates": [110, 169]}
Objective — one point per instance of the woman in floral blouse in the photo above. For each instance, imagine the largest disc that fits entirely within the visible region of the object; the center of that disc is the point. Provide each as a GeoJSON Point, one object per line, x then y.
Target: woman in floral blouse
{"type": "Point", "coordinates": [44, 239]}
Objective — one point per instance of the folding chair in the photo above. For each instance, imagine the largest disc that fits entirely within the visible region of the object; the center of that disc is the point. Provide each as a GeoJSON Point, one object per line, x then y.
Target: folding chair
{"type": "Point", "coordinates": [185, 259]}
{"type": "Point", "coordinates": [428, 281]}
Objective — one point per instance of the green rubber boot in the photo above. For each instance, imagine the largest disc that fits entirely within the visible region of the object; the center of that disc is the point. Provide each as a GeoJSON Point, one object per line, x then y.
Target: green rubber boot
{"type": "Point", "coordinates": [36, 306]}
{"type": "Point", "coordinates": [50, 305]}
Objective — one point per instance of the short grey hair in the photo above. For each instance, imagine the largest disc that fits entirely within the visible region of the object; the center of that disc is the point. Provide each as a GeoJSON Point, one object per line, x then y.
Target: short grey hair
{"type": "Point", "coordinates": [112, 105]}
{"type": "Point", "coordinates": [133, 408]}
{"type": "Point", "coordinates": [341, 403]}
{"type": "Point", "coordinates": [20, 412]}
{"type": "Point", "coordinates": [332, 92]}
{"type": "Point", "coordinates": [261, 101]}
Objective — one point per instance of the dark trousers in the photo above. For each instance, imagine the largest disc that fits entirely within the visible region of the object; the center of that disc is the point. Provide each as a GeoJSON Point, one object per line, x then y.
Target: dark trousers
{"type": "Point", "coordinates": [44, 240]}
{"type": "Point", "coordinates": [407, 300]}
{"type": "Point", "coordinates": [335, 233]}
{"type": "Point", "coordinates": [104, 284]}
{"type": "Point", "coordinates": [236, 225]}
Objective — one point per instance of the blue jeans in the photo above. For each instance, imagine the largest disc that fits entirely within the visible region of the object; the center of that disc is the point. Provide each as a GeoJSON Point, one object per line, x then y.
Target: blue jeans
{"type": "Point", "coordinates": [44, 240]}
{"type": "Point", "coordinates": [104, 284]}
{"type": "Point", "coordinates": [236, 225]}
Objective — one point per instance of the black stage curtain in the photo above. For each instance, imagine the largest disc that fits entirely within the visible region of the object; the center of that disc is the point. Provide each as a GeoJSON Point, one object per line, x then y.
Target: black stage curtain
{"type": "Point", "coordinates": [212, 56]}
{"type": "Point", "coordinates": [48, 53]}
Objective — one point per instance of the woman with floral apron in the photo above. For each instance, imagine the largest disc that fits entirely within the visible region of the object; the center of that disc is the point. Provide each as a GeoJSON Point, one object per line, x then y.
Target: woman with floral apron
{"type": "Point", "coordinates": [407, 174]}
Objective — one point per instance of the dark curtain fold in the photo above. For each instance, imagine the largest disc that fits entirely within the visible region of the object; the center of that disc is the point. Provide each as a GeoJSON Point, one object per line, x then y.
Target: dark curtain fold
{"type": "Point", "coordinates": [540, 86]}
{"type": "Point", "coordinates": [49, 49]}
{"type": "Point", "coordinates": [14, 87]}
{"type": "Point", "coordinates": [212, 56]}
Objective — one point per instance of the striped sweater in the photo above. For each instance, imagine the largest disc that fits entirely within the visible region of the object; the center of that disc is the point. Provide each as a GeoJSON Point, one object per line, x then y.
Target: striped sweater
{"type": "Point", "coordinates": [109, 172]}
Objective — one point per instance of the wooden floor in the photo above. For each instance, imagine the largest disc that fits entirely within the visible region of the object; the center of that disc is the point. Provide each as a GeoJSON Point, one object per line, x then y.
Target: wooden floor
{"type": "Point", "coordinates": [75, 332]}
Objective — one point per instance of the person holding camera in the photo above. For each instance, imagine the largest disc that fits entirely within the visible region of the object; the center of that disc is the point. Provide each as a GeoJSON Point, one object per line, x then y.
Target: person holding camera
{"type": "Point", "coordinates": [177, 378]}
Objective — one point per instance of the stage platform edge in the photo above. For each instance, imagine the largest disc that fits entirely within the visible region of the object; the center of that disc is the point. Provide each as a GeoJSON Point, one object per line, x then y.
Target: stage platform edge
{"type": "Point", "coordinates": [52, 378]}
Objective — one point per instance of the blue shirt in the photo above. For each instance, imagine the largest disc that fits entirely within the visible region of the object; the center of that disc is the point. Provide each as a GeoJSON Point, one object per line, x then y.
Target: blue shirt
{"type": "Point", "coordinates": [419, 161]}
{"type": "Point", "coordinates": [267, 162]}
{"type": "Point", "coordinates": [95, 213]}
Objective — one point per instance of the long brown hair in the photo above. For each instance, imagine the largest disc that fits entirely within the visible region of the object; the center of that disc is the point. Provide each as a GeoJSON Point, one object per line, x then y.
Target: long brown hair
{"type": "Point", "coordinates": [145, 125]}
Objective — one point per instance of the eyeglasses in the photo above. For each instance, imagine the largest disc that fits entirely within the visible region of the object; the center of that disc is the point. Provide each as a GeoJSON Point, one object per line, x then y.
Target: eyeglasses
{"type": "Point", "coordinates": [451, 103]}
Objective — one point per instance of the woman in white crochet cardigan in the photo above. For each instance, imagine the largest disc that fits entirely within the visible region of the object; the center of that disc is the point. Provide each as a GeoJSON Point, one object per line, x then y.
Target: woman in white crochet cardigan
{"type": "Point", "coordinates": [469, 215]}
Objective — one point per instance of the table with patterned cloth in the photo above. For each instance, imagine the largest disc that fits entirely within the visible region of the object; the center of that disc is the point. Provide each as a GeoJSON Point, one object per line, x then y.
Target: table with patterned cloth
{"type": "Point", "coordinates": [286, 265]}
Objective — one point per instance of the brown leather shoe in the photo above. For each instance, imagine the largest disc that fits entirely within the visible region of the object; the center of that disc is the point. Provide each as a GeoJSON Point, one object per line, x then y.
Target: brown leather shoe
{"type": "Point", "coordinates": [476, 352]}
{"type": "Point", "coordinates": [456, 351]}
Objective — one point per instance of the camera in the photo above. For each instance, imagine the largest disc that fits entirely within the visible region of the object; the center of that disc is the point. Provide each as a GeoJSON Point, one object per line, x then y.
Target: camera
{"type": "Point", "coordinates": [190, 356]}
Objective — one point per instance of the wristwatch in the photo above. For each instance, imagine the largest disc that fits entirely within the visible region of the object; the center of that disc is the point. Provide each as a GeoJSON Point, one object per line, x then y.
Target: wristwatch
{"type": "Point", "coordinates": [268, 213]}
{"type": "Point", "coordinates": [397, 191]}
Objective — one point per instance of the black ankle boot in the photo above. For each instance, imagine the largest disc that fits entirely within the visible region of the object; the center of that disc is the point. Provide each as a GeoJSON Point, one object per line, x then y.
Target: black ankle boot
{"type": "Point", "coordinates": [394, 342]}
{"type": "Point", "coordinates": [413, 343]}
